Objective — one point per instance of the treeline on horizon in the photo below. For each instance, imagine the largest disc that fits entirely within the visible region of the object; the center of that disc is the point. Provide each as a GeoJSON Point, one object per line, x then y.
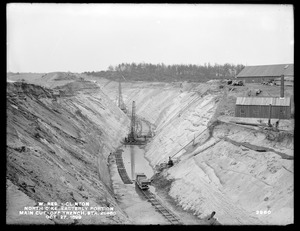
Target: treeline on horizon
{"type": "Point", "coordinates": [169, 73]}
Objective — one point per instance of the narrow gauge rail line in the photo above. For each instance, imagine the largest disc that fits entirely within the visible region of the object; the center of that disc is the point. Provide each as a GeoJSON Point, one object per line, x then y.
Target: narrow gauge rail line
{"type": "Point", "coordinates": [171, 217]}
{"type": "Point", "coordinates": [121, 168]}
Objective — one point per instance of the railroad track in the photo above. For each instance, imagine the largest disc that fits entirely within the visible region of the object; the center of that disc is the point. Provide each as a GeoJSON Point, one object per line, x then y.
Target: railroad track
{"type": "Point", "coordinates": [121, 168]}
{"type": "Point", "coordinates": [171, 217]}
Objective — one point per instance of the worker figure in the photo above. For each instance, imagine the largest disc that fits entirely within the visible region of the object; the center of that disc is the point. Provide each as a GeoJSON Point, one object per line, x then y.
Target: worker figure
{"type": "Point", "coordinates": [125, 140]}
{"type": "Point", "coordinates": [269, 123]}
{"type": "Point", "coordinates": [212, 215]}
{"type": "Point", "coordinates": [277, 124]}
{"type": "Point", "coordinates": [145, 138]}
{"type": "Point", "coordinates": [170, 163]}
{"type": "Point", "coordinates": [211, 219]}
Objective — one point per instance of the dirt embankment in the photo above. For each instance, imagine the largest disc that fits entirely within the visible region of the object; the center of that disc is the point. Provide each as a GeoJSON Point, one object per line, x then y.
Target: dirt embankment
{"type": "Point", "coordinates": [57, 150]}
{"type": "Point", "coordinates": [234, 170]}
{"type": "Point", "coordinates": [235, 179]}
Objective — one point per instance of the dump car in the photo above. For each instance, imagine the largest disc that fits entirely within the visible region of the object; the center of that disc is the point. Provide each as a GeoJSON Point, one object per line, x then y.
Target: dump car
{"type": "Point", "coordinates": [142, 181]}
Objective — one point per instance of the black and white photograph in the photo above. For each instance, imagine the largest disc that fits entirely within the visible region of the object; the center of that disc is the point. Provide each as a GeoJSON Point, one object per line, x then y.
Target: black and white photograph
{"type": "Point", "coordinates": [149, 114]}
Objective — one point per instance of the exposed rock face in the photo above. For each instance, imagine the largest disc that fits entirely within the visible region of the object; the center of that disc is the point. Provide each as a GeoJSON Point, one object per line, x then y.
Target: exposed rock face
{"type": "Point", "coordinates": [57, 147]}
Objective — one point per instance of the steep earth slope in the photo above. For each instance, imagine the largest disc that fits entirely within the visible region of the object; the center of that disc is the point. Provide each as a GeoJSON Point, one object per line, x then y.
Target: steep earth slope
{"type": "Point", "coordinates": [57, 149]}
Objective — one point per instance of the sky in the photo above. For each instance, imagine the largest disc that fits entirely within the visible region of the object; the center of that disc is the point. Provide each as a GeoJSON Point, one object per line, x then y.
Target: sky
{"type": "Point", "coordinates": [90, 37]}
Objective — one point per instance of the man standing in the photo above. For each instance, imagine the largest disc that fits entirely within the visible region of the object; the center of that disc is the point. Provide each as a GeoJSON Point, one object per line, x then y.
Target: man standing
{"type": "Point", "coordinates": [211, 220]}
{"type": "Point", "coordinates": [170, 163]}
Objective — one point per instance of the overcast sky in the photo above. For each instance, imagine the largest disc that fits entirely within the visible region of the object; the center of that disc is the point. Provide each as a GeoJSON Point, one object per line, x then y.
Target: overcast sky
{"type": "Point", "coordinates": [90, 37]}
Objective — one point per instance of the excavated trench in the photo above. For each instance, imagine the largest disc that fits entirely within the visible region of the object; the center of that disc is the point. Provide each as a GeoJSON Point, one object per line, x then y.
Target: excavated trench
{"type": "Point", "coordinates": [134, 161]}
{"type": "Point", "coordinates": [59, 150]}
{"type": "Point", "coordinates": [238, 172]}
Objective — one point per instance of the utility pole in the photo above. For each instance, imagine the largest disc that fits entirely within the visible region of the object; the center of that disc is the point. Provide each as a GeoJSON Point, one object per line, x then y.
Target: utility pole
{"type": "Point", "coordinates": [120, 94]}
{"type": "Point", "coordinates": [132, 135]}
{"type": "Point", "coordinates": [133, 118]}
{"type": "Point", "coordinates": [282, 87]}
{"type": "Point", "coordinates": [121, 103]}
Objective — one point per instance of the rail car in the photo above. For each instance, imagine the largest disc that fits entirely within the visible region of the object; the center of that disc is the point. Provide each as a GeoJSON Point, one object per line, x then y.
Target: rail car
{"type": "Point", "coordinates": [142, 181]}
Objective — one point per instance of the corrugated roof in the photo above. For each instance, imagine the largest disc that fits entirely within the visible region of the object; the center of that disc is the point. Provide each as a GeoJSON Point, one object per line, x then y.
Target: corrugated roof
{"type": "Point", "coordinates": [267, 71]}
{"type": "Point", "coordinates": [275, 101]}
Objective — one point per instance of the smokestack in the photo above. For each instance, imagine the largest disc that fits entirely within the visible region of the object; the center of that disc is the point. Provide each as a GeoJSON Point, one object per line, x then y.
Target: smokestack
{"type": "Point", "coordinates": [282, 87]}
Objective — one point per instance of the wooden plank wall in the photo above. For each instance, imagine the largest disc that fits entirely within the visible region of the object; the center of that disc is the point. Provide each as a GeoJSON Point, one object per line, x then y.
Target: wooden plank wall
{"type": "Point", "coordinates": [258, 111]}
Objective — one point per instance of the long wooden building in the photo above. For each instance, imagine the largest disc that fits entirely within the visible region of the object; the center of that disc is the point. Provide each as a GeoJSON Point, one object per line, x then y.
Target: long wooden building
{"type": "Point", "coordinates": [259, 107]}
{"type": "Point", "coordinates": [265, 73]}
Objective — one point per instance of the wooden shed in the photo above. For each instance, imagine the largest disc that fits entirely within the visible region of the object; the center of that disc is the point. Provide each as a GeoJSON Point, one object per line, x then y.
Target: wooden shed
{"type": "Point", "coordinates": [259, 107]}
